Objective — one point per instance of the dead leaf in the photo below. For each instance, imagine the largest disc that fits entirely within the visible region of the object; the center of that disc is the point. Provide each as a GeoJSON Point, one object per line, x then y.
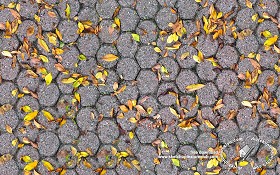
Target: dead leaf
{"type": "Point", "coordinates": [194, 87]}
{"type": "Point", "coordinates": [110, 57]}
{"type": "Point", "coordinates": [31, 166]}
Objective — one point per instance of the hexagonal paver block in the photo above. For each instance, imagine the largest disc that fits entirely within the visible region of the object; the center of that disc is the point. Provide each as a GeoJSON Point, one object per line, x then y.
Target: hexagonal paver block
{"type": "Point", "coordinates": [227, 56]}
{"type": "Point", "coordinates": [208, 94]}
{"type": "Point", "coordinates": [267, 132]}
{"type": "Point", "coordinates": [22, 30]}
{"type": "Point", "coordinates": [7, 70]}
{"type": "Point", "coordinates": [88, 44]}
{"type": "Point", "coordinates": [106, 34]}
{"type": "Point", "coordinates": [89, 95]}
{"type": "Point", "coordinates": [124, 122]}
{"type": "Point", "coordinates": [187, 9]}
{"type": "Point", "coordinates": [147, 82]}
{"type": "Point", "coordinates": [227, 81]}
{"type": "Point", "coordinates": [68, 132]}
{"type": "Point", "coordinates": [205, 71]}
{"type": "Point", "coordinates": [68, 29]}
{"type": "Point", "coordinates": [89, 141]}
{"type": "Point", "coordinates": [48, 22]}
{"type": "Point", "coordinates": [171, 141]}
{"type": "Point", "coordinates": [146, 131]}
{"type": "Point", "coordinates": [104, 50]}
{"type": "Point", "coordinates": [146, 156]}
{"type": "Point", "coordinates": [106, 104]}
{"type": "Point", "coordinates": [126, 45]}
{"type": "Point", "coordinates": [6, 89]}
{"type": "Point", "coordinates": [147, 9]}
{"type": "Point", "coordinates": [108, 131]}
{"type": "Point", "coordinates": [171, 67]}
{"type": "Point", "coordinates": [106, 8]}
{"type": "Point", "coordinates": [128, 68]}
{"type": "Point", "coordinates": [205, 141]}
{"type": "Point", "coordinates": [227, 131]}
{"type": "Point", "coordinates": [164, 17]}
{"type": "Point", "coordinates": [267, 79]}
{"type": "Point", "coordinates": [48, 94]}
{"type": "Point", "coordinates": [147, 30]}
{"type": "Point", "coordinates": [128, 24]}
{"type": "Point", "coordinates": [146, 56]}
{"type": "Point", "coordinates": [185, 78]}
{"type": "Point", "coordinates": [247, 45]}
{"type": "Point", "coordinates": [207, 45]}
{"type": "Point", "coordinates": [48, 143]}
{"type": "Point", "coordinates": [244, 19]}
{"type": "Point", "coordinates": [247, 120]}
{"type": "Point", "coordinates": [87, 119]}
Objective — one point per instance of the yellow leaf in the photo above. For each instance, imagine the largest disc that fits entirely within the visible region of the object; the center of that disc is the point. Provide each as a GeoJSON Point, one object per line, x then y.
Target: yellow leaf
{"type": "Point", "coordinates": [58, 34]}
{"type": "Point", "coordinates": [103, 172]}
{"type": "Point", "coordinates": [110, 57]}
{"type": "Point", "coordinates": [254, 17]}
{"type": "Point", "coordinates": [133, 120]}
{"type": "Point", "coordinates": [157, 49]}
{"type": "Point", "coordinates": [196, 173]}
{"type": "Point", "coordinates": [9, 129]}
{"type": "Point", "coordinates": [263, 172]}
{"type": "Point", "coordinates": [48, 165]}
{"type": "Point", "coordinates": [196, 58]}
{"type": "Point", "coordinates": [37, 18]}
{"type": "Point", "coordinates": [48, 78]}
{"type": "Point", "coordinates": [123, 108]}
{"type": "Point", "coordinates": [247, 104]}
{"type": "Point", "coordinates": [31, 116]}
{"type": "Point", "coordinates": [277, 68]}
{"type": "Point", "coordinates": [127, 164]}
{"type": "Point", "coordinates": [26, 159]}
{"type": "Point", "coordinates": [14, 92]}
{"type": "Point", "coordinates": [131, 135]}
{"type": "Point", "coordinates": [26, 108]}
{"type": "Point", "coordinates": [81, 27]}
{"type": "Point", "coordinates": [209, 124]}
{"type": "Point", "coordinates": [176, 162]}
{"type": "Point", "coordinates": [73, 150]}
{"type": "Point", "coordinates": [114, 150]}
{"type": "Point", "coordinates": [63, 172]}
{"type": "Point", "coordinates": [48, 115]}
{"type": "Point", "coordinates": [77, 97]}
{"type": "Point", "coordinates": [58, 51]}
{"type": "Point", "coordinates": [272, 123]}
{"type": "Point", "coordinates": [185, 55]}
{"type": "Point", "coordinates": [31, 166]}
{"type": "Point", "coordinates": [7, 54]}
{"type": "Point", "coordinates": [44, 58]}
{"type": "Point", "coordinates": [117, 22]}
{"type": "Point", "coordinates": [14, 142]}
{"type": "Point", "coordinates": [212, 163]}
{"type": "Point", "coordinates": [266, 34]}
{"type": "Point", "coordinates": [68, 80]}
{"type": "Point", "coordinates": [43, 44]}
{"type": "Point", "coordinates": [87, 164]}
{"type": "Point", "coordinates": [249, 4]}
{"type": "Point", "coordinates": [67, 11]}
{"type": "Point", "coordinates": [136, 37]}
{"type": "Point", "coordinates": [270, 41]}
{"type": "Point", "coordinates": [173, 111]}
{"type": "Point", "coordinates": [243, 163]}
{"type": "Point", "coordinates": [194, 87]}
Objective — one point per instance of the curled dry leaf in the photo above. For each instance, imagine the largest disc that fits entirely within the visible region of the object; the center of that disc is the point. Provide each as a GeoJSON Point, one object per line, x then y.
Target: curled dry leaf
{"type": "Point", "coordinates": [247, 104]}
{"type": "Point", "coordinates": [48, 165]}
{"type": "Point", "coordinates": [30, 116]}
{"type": "Point", "coordinates": [194, 87]}
{"type": "Point", "coordinates": [31, 166]}
{"type": "Point", "coordinates": [48, 115]}
{"type": "Point", "coordinates": [110, 57]}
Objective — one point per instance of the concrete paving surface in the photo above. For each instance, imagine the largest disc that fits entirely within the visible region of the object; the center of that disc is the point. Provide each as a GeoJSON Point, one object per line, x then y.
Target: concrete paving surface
{"type": "Point", "coordinates": [139, 87]}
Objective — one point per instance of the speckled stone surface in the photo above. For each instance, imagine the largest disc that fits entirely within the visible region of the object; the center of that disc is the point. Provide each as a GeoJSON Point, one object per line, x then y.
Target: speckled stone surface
{"type": "Point", "coordinates": [139, 87]}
